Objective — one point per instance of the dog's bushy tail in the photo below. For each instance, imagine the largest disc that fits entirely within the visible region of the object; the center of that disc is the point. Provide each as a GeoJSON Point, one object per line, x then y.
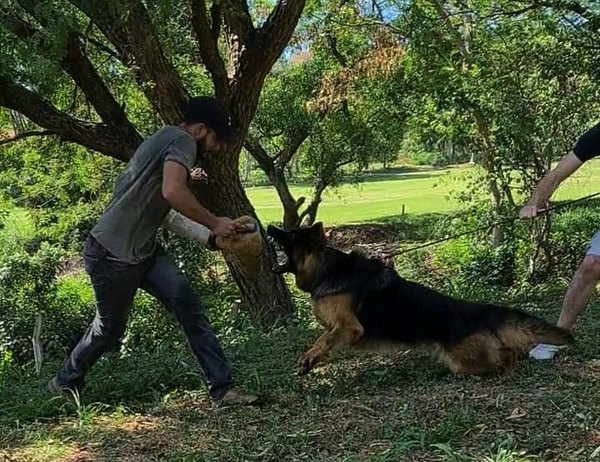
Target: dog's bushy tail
{"type": "Point", "coordinates": [518, 329]}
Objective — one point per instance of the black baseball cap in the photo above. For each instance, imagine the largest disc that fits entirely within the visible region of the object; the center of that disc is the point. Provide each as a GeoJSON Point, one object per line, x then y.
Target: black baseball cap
{"type": "Point", "coordinates": [209, 111]}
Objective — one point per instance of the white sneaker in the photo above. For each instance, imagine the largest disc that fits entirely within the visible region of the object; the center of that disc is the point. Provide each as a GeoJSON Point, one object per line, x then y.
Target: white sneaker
{"type": "Point", "coordinates": [544, 351]}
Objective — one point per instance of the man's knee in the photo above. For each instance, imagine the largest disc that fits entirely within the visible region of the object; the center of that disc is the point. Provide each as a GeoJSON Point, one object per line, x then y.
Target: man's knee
{"type": "Point", "coordinates": [180, 297]}
{"type": "Point", "coordinates": [589, 270]}
{"type": "Point", "coordinates": [109, 331]}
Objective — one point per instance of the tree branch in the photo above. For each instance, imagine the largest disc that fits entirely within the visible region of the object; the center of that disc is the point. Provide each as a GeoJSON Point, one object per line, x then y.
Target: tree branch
{"type": "Point", "coordinates": [24, 135]}
{"type": "Point", "coordinates": [207, 37]}
{"type": "Point", "coordinates": [297, 138]}
{"type": "Point", "coordinates": [75, 63]}
{"type": "Point", "coordinates": [102, 47]}
{"type": "Point", "coordinates": [458, 39]}
{"type": "Point", "coordinates": [332, 44]}
{"type": "Point", "coordinates": [216, 19]}
{"type": "Point", "coordinates": [238, 22]}
{"type": "Point", "coordinates": [127, 25]}
{"type": "Point", "coordinates": [18, 27]}
{"type": "Point", "coordinates": [81, 69]}
{"type": "Point", "coordinates": [340, 164]}
{"type": "Point", "coordinates": [108, 140]}
{"type": "Point", "coordinates": [253, 146]}
{"type": "Point", "coordinates": [276, 32]}
{"type": "Point", "coordinates": [510, 13]}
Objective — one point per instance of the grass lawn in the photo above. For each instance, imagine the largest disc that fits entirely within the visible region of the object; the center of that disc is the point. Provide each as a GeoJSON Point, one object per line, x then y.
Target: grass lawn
{"type": "Point", "coordinates": [585, 181]}
{"type": "Point", "coordinates": [17, 226]}
{"type": "Point", "coordinates": [422, 191]}
{"type": "Point", "coordinates": [150, 405]}
{"type": "Point", "coordinates": [405, 408]}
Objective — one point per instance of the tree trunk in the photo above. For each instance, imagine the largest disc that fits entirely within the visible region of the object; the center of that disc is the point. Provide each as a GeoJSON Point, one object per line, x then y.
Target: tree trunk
{"type": "Point", "coordinates": [496, 199]}
{"type": "Point", "coordinates": [309, 215]}
{"type": "Point", "coordinates": [275, 168]}
{"type": "Point", "coordinates": [463, 39]}
{"type": "Point", "coordinates": [248, 169]}
{"type": "Point", "coordinates": [266, 296]}
{"type": "Point", "coordinates": [488, 164]}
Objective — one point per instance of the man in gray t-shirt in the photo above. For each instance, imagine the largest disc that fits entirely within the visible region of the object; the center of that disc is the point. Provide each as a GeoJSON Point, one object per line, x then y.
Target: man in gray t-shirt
{"type": "Point", "coordinates": [121, 254]}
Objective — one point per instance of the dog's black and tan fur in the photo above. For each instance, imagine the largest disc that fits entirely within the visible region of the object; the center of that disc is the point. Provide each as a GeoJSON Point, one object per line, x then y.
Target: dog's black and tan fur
{"type": "Point", "coordinates": [360, 299]}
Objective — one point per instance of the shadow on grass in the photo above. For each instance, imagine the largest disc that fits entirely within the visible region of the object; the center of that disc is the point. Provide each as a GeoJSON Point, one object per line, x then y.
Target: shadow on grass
{"type": "Point", "coordinates": [151, 406]}
{"type": "Point", "coordinates": [377, 177]}
{"type": "Point", "coordinates": [358, 406]}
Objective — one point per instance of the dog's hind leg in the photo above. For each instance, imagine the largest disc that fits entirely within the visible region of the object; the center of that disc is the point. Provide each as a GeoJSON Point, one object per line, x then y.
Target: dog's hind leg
{"type": "Point", "coordinates": [343, 328]}
{"type": "Point", "coordinates": [508, 359]}
{"type": "Point", "coordinates": [475, 355]}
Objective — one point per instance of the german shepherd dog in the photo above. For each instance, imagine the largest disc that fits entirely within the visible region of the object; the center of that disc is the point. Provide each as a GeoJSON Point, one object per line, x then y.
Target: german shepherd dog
{"type": "Point", "coordinates": [361, 300]}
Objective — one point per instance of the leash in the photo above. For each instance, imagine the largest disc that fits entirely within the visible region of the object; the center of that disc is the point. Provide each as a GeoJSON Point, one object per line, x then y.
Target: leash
{"type": "Point", "coordinates": [483, 228]}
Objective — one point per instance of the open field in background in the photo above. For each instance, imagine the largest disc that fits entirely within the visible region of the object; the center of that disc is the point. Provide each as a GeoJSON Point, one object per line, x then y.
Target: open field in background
{"type": "Point", "coordinates": [424, 190]}
{"type": "Point", "coordinates": [380, 195]}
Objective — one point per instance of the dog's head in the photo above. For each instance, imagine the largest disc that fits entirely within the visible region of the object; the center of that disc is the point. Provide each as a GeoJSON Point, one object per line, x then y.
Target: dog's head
{"type": "Point", "coordinates": [295, 247]}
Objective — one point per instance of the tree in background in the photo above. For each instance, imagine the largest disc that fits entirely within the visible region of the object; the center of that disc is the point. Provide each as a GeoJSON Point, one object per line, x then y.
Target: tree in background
{"type": "Point", "coordinates": [329, 110]}
{"type": "Point", "coordinates": [514, 82]}
{"type": "Point", "coordinates": [98, 73]}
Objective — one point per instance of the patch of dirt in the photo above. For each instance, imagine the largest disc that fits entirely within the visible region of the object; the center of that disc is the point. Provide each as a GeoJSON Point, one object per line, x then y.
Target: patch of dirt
{"type": "Point", "coordinates": [375, 240]}
{"type": "Point", "coordinates": [347, 236]}
{"type": "Point", "coordinates": [70, 267]}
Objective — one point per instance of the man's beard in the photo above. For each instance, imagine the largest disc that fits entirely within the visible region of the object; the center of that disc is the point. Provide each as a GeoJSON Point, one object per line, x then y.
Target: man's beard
{"type": "Point", "coordinates": [201, 153]}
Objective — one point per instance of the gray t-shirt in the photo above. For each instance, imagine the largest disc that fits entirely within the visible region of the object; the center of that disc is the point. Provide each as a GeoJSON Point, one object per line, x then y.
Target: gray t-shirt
{"type": "Point", "coordinates": [127, 228]}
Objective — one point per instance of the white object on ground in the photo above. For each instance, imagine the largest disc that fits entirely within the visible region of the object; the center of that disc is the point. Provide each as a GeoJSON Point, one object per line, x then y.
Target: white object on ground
{"type": "Point", "coordinates": [544, 351]}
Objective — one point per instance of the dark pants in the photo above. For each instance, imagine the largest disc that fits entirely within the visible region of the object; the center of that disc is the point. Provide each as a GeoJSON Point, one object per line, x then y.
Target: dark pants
{"type": "Point", "coordinates": [115, 284]}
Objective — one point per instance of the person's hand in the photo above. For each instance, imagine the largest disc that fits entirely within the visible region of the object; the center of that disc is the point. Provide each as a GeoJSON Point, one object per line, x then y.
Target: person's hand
{"type": "Point", "coordinates": [529, 211]}
{"type": "Point", "coordinates": [243, 228]}
{"type": "Point", "coordinates": [198, 174]}
{"type": "Point", "coordinates": [224, 227]}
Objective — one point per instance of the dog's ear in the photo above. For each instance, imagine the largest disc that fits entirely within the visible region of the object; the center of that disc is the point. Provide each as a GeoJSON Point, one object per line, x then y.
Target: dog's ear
{"type": "Point", "coordinates": [317, 232]}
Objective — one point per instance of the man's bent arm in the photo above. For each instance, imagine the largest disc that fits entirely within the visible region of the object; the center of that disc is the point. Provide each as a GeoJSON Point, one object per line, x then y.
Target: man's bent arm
{"type": "Point", "coordinates": [176, 191]}
{"type": "Point", "coordinates": [548, 185]}
{"type": "Point", "coordinates": [183, 226]}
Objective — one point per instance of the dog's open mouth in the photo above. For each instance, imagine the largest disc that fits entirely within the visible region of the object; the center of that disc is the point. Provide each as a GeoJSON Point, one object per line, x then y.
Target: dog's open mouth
{"type": "Point", "coordinates": [283, 263]}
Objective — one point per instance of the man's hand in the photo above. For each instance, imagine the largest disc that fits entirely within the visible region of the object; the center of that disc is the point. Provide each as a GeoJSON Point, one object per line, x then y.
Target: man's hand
{"type": "Point", "coordinates": [547, 185]}
{"type": "Point", "coordinates": [529, 211]}
{"type": "Point", "coordinates": [224, 227]}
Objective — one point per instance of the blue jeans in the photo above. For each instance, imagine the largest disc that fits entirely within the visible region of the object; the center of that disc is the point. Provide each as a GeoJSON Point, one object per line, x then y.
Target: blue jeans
{"type": "Point", "coordinates": [115, 284]}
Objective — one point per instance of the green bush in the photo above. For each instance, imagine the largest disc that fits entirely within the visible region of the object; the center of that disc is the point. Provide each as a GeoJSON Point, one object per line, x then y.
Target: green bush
{"type": "Point", "coordinates": [471, 263]}
{"type": "Point", "coordinates": [465, 263]}
{"type": "Point", "coordinates": [433, 158]}
{"type": "Point", "coordinates": [67, 227]}
{"type": "Point", "coordinates": [68, 314]}
{"type": "Point", "coordinates": [27, 286]}
{"type": "Point", "coordinates": [570, 234]}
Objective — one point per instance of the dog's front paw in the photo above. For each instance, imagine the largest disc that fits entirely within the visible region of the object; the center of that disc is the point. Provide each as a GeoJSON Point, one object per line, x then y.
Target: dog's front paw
{"type": "Point", "coordinates": [307, 361]}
